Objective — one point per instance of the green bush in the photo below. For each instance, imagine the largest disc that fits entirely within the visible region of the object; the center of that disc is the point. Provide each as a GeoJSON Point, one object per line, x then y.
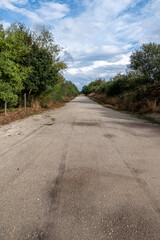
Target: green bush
{"type": "Point", "coordinates": [113, 88]}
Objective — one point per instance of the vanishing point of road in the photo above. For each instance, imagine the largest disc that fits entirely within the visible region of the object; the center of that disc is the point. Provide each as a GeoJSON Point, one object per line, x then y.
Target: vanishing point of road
{"type": "Point", "coordinates": [80, 172]}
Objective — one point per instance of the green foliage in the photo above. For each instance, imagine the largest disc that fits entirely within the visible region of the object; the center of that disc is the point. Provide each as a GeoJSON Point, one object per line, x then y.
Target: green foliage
{"type": "Point", "coordinates": [93, 86]}
{"type": "Point", "coordinates": [144, 71]}
{"type": "Point", "coordinates": [113, 88]}
{"type": "Point", "coordinates": [11, 74]}
{"type": "Point", "coordinates": [59, 92]}
{"type": "Point", "coordinates": [51, 94]}
{"type": "Point", "coordinates": [101, 88]}
{"type": "Point", "coordinates": [7, 94]}
{"type": "Point", "coordinates": [29, 63]}
{"type": "Point", "coordinates": [147, 62]}
{"type": "Point", "coordinates": [46, 67]}
{"type": "Point", "coordinates": [69, 89]}
{"type": "Point", "coordinates": [85, 90]}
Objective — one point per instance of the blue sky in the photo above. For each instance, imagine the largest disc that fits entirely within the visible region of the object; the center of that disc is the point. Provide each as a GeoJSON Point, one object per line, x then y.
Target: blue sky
{"type": "Point", "coordinates": [97, 36]}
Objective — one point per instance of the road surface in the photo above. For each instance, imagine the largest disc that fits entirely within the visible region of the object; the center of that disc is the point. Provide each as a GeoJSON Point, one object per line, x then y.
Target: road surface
{"type": "Point", "coordinates": [81, 172]}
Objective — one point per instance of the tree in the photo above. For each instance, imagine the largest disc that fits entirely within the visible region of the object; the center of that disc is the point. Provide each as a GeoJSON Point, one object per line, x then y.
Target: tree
{"type": "Point", "coordinates": [7, 94]}
{"type": "Point", "coordinates": [147, 62]}
{"type": "Point", "coordinates": [85, 90]}
{"type": "Point", "coordinates": [46, 67]}
{"type": "Point", "coordinates": [30, 64]}
{"type": "Point", "coordinates": [69, 89]}
{"type": "Point", "coordinates": [10, 71]}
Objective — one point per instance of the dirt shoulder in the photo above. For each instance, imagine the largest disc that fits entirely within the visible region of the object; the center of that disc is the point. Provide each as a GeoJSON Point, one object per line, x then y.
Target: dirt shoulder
{"type": "Point", "coordinates": [113, 103]}
{"type": "Point", "coordinates": [20, 113]}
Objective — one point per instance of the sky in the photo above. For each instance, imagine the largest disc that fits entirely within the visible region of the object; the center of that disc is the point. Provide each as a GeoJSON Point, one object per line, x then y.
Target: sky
{"type": "Point", "coordinates": [97, 36]}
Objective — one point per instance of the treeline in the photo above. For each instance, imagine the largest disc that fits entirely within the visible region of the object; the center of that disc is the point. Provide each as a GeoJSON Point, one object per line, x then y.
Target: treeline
{"type": "Point", "coordinates": [30, 68]}
{"type": "Point", "coordinates": [139, 89]}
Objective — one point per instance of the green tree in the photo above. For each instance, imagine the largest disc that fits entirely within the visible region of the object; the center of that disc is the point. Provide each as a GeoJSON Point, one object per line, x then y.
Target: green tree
{"type": "Point", "coordinates": [46, 67]}
{"type": "Point", "coordinates": [30, 64]}
{"type": "Point", "coordinates": [147, 62]}
{"type": "Point", "coordinates": [93, 86]}
{"type": "Point", "coordinates": [10, 72]}
{"type": "Point", "coordinates": [69, 89]}
{"type": "Point", "coordinates": [85, 90]}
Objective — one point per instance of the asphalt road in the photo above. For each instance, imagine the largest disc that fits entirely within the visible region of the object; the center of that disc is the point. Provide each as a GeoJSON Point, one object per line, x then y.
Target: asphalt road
{"type": "Point", "coordinates": [81, 172]}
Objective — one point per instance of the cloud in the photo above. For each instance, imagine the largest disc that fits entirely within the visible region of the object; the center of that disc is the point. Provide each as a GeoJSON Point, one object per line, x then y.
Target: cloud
{"type": "Point", "coordinates": [97, 36]}
{"type": "Point", "coordinates": [10, 5]}
{"type": "Point", "coordinates": [77, 84]}
{"type": "Point", "coordinates": [5, 24]}
{"type": "Point", "coordinates": [19, 2]}
{"type": "Point", "coordinates": [101, 38]}
{"type": "Point", "coordinates": [52, 10]}
{"type": "Point", "coordinates": [150, 21]}
{"type": "Point", "coordinates": [103, 69]}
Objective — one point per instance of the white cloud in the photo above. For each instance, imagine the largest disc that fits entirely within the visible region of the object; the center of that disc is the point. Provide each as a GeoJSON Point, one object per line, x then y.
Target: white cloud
{"type": "Point", "coordinates": [52, 10]}
{"type": "Point", "coordinates": [98, 40]}
{"type": "Point", "coordinates": [9, 5]}
{"type": "Point", "coordinates": [99, 64]}
{"type": "Point", "coordinates": [77, 84]}
{"type": "Point", "coordinates": [20, 2]}
{"type": "Point", "coordinates": [101, 39]}
{"type": "Point", "coordinates": [5, 24]}
{"type": "Point", "coordinates": [150, 21]}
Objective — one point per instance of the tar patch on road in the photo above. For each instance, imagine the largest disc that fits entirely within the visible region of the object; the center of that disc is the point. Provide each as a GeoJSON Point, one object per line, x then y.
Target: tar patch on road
{"type": "Point", "coordinates": [129, 222]}
{"type": "Point", "coordinates": [49, 124]}
{"type": "Point", "coordinates": [78, 190]}
{"type": "Point", "coordinates": [86, 124]}
{"type": "Point", "coordinates": [54, 193]}
{"type": "Point", "coordinates": [39, 234]}
{"type": "Point", "coordinates": [108, 135]}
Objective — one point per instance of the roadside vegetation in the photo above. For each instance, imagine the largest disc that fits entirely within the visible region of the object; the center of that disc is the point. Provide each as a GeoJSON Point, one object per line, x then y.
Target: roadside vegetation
{"type": "Point", "coordinates": [136, 91]}
{"type": "Point", "coordinates": [30, 69]}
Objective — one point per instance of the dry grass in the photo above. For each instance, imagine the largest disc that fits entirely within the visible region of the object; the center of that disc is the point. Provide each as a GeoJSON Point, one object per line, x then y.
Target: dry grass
{"type": "Point", "coordinates": [17, 114]}
{"type": "Point", "coordinates": [128, 103]}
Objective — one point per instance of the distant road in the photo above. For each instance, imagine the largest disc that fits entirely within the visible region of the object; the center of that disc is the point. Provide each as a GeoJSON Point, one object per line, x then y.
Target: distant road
{"type": "Point", "coordinates": [81, 172]}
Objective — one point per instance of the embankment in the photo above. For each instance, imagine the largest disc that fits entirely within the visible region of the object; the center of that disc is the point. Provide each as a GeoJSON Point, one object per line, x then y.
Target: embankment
{"type": "Point", "coordinates": [145, 103]}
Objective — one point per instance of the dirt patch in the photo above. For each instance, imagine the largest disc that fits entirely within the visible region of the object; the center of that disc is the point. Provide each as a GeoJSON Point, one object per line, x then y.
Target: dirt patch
{"type": "Point", "coordinates": [16, 115]}
{"type": "Point", "coordinates": [20, 113]}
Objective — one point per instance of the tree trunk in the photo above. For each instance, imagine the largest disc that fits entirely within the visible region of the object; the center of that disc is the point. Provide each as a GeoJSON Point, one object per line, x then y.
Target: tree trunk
{"type": "Point", "coordinates": [5, 108]}
{"type": "Point", "coordinates": [20, 101]}
{"type": "Point", "coordinates": [155, 104]}
{"type": "Point", "coordinates": [25, 102]}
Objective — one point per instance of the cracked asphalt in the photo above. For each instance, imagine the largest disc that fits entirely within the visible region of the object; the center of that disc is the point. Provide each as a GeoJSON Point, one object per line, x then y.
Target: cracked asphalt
{"type": "Point", "coordinates": [81, 172]}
